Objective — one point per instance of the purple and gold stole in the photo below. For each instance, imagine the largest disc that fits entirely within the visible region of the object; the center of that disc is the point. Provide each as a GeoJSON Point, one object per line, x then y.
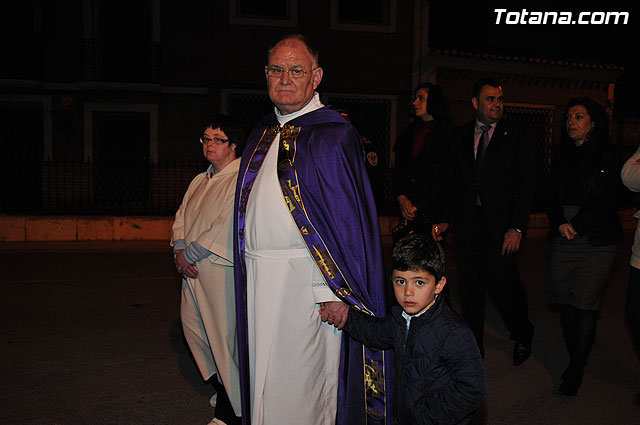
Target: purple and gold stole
{"type": "Point", "coordinates": [372, 360]}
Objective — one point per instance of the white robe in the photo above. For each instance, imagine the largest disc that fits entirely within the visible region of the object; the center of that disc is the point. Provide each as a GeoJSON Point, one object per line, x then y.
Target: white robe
{"type": "Point", "coordinates": [294, 357]}
{"type": "Point", "coordinates": [207, 308]}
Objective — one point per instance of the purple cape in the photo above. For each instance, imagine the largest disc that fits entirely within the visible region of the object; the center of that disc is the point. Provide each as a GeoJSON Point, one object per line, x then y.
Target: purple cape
{"type": "Point", "coordinates": [339, 201]}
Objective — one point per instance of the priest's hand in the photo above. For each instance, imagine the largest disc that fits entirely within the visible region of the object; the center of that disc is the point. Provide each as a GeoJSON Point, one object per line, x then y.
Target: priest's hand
{"type": "Point", "coordinates": [334, 312]}
{"type": "Point", "coordinates": [183, 266]}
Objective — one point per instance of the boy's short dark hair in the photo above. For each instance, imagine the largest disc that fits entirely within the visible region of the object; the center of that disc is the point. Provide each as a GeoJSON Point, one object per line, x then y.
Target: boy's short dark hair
{"type": "Point", "coordinates": [418, 252]}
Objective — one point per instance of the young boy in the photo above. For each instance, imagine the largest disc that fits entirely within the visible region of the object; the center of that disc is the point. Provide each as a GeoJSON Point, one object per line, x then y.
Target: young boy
{"type": "Point", "coordinates": [439, 373]}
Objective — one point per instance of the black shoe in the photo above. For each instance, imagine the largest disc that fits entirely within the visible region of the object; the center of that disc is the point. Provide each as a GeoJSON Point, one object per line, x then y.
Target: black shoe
{"type": "Point", "coordinates": [521, 352]}
{"type": "Point", "coordinates": [571, 381]}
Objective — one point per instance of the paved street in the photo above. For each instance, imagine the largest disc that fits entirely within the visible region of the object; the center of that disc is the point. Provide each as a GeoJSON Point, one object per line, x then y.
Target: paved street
{"type": "Point", "coordinates": [90, 334]}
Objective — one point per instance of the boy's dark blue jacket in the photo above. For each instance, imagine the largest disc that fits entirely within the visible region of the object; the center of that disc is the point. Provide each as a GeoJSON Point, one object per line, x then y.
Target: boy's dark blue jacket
{"type": "Point", "coordinates": [439, 373]}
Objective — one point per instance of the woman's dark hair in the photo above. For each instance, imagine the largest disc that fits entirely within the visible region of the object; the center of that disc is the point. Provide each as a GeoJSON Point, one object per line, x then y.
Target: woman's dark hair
{"type": "Point", "coordinates": [436, 104]}
{"type": "Point", "coordinates": [418, 252]}
{"type": "Point", "coordinates": [596, 142]}
{"type": "Point", "coordinates": [599, 135]}
{"type": "Point", "coordinates": [230, 127]}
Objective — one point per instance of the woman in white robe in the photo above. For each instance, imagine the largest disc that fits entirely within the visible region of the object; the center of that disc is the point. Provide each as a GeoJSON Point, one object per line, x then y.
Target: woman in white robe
{"type": "Point", "coordinates": [203, 244]}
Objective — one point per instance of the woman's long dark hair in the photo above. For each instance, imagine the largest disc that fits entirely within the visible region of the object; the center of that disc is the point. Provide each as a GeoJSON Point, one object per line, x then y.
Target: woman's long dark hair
{"type": "Point", "coordinates": [436, 104]}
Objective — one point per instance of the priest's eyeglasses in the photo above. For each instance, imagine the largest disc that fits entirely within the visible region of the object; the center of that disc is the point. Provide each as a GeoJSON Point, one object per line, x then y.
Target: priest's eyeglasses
{"type": "Point", "coordinates": [277, 72]}
{"type": "Point", "coordinates": [216, 141]}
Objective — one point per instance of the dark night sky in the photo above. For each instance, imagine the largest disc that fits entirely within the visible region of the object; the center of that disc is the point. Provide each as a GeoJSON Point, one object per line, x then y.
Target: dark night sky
{"type": "Point", "coordinates": [474, 27]}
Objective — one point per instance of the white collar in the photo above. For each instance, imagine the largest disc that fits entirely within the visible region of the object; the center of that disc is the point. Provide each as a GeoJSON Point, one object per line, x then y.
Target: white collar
{"type": "Point", "coordinates": [313, 104]}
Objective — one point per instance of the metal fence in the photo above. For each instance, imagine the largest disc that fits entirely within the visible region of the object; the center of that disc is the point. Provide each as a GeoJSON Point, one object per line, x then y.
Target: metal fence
{"type": "Point", "coordinates": [124, 187]}
{"type": "Point", "coordinates": [113, 184]}
{"type": "Point", "coordinates": [74, 187]}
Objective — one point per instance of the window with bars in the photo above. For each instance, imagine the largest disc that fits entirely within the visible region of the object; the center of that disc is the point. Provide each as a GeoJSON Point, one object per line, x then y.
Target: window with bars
{"type": "Point", "coordinates": [281, 13]}
{"type": "Point", "coordinates": [539, 120]}
{"type": "Point", "coordinates": [363, 15]}
{"type": "Point", "coordinates": [121, 156]}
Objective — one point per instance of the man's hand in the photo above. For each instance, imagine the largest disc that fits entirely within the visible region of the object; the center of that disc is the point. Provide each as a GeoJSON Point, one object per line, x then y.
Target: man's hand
{"type": "Point", "coordinates": [407, 209]}
{"type": "Point", "coordinates": [183, 266]}
{"type": "Point", "coordinates": [438, 229]}
{"type": "Point", "coordinates": [334, 312]}
{"type": "Point", "coordinates": [511, 242]}
{"type": "Point", "coordinates": [567, 231]}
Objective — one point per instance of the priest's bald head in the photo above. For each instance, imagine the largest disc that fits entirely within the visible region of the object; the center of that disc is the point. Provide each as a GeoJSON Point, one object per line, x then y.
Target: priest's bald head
{"type": "Point", "coordinates": [292, 73]}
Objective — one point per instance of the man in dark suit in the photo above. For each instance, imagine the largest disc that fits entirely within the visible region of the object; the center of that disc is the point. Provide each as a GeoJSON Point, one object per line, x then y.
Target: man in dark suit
{"type": "Point", "coordinates": [491, 190]}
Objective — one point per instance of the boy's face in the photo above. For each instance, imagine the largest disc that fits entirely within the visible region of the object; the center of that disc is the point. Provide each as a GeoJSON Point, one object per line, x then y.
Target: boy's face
{"type": "Point", "coordinates": [416, 289]}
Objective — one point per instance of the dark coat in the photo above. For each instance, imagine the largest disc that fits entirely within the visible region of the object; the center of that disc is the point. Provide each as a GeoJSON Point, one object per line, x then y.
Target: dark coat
{"type": "Point", "coordinates": [439, 373]}
{"type": "Point", "coordinates": [423, 180]}
{"type": "Point", "coordinates": [600, 192]}
{"type": "Point", "coordinates": [506, 180]}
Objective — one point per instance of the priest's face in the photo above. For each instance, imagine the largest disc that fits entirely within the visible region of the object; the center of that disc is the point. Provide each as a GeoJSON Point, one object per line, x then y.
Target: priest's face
{"type": "Point", "coordinates": [292, 76]}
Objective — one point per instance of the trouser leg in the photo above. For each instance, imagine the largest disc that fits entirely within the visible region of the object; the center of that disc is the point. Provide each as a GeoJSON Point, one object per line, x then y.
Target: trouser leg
{"type": "Point", "coordinates": [471, 287]}
{"type": "Point", "coordinates": [503, 283]}
{"type": "Point", "coordinates": [509, 295]}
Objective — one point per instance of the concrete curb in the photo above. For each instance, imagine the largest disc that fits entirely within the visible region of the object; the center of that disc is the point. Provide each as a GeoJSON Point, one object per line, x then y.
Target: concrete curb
{"type": "Point", "coordinates": [63, 228]}
{"type": "Point", "coordinates": [134, 228]}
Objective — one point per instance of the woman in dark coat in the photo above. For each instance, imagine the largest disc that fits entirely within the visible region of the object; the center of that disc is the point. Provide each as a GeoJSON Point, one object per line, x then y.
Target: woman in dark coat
{"type": "Point", "coordinates": [583, 194]}
{"type": "Point", "coordinates": [422, 151]}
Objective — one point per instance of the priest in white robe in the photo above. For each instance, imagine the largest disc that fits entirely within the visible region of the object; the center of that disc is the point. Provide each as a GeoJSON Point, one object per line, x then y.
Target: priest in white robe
{"type": "Point", "coordinates": [306, 237]}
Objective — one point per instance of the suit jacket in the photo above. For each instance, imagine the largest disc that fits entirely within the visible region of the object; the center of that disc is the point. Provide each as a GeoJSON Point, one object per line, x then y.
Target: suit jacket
{"type": "Point", "coordinates": [505, 181]}
{"type": "Point", "coordinates": [423, 180]}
